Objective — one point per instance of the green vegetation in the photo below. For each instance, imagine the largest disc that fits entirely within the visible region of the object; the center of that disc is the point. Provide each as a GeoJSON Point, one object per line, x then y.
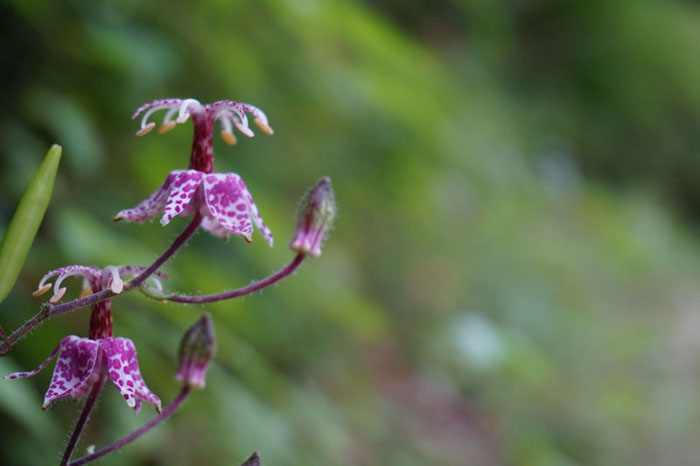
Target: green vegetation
{"type": "Point", "coordinates": [513, 274]}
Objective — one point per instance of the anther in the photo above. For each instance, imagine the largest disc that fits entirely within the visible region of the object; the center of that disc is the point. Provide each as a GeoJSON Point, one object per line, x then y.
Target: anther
{"type": "Point", "coordinates": [228, 138]}
{"type": "Point", "coordinates": [264, 126]}
{"type": "Point", "coordinates": [146, 129]}
{"type": "Point", "coordinates": [42, 290]}
{"type": "Point", "coordinates": [167, 126]}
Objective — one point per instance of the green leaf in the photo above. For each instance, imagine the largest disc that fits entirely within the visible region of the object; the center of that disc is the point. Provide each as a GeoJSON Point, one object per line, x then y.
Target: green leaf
{"type": "Point", "coordinates": [25, 223]}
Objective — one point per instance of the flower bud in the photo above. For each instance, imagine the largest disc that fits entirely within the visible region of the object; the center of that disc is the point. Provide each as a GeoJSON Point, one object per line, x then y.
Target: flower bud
{"type": "Point", "coordinates": [196, 352]}
{"type": "Point", "coordinates": [315, 220]}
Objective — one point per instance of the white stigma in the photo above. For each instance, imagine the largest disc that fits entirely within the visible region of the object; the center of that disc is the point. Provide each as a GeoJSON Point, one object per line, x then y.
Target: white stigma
{"type": "Point", "coordinates": [184, 114]}
{"type": "Point", "coordinates": [116, 284]}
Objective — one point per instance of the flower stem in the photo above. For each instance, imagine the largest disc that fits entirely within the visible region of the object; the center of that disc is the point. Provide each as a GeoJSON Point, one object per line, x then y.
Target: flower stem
{"type": "Point", "coordinates": [177, 244]}
{"type": "Point", "coordinates": [49, 310]}
{"type": "Point", "coordinates": [137, 433]}
{"type": "Point", "coordinates": [253, 287]}
{"type": "Point", "coordinates": [82, 420]}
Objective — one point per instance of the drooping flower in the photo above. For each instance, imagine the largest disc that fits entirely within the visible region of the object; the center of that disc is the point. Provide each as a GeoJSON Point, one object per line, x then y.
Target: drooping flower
{"type": "Point", "coordinates": [223, 200]}
{"type": "Point", "coordinates": [82, 361]}
{"type": "Point", "coordinates": [196, 351]}
{"type": "Point", "coordinates": [315, 220]}
{"type": "Point", "coordinates": [227, 112]}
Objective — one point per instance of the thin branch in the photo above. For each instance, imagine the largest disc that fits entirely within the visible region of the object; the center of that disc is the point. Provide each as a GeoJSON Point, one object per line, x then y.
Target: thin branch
{"type": "Point", "coordinates": [210, 298]}
{"type": "Point", "coordinates": [137, 433]}
{"type": "Point", "coordinates": [82, 420]}
{"type": "Point", "coordinates": [49, 310]}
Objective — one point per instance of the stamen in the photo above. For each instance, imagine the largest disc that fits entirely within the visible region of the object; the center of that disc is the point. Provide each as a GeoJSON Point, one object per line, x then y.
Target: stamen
{"type": "Point", "coordinates": [42, 290]}
{"type": "Point", "coordinates": [151, 111]}
{"type": "Point", "coordinates": [264, 126]}
{"type": "Point", "coordinates": [57, 296]}
{"type": "Point", "coordinates": [88, 273]}
{"type": "Point", "coordinates": [228, 137]}
{"type": "Point", "coordinates": [167, 126]}
{"type": "Point", "coordinates": [248, 239]}
{"type": "Point", "coordinates": [86, 292]}
{"type": "Point", "coordinates": [146, 129]}
{"type": "Point", "coordinates": [259, 117]}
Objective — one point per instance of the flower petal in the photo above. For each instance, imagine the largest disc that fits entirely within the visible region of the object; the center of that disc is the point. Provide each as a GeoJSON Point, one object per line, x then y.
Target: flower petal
{"type": "Point", "coordinates": [264, 230]}
{"type": "Point", "coordinates": [182, 191]}
{"type": "Point", "coordinates": [152, 206]}
{"type": "Point", "coordinates": [20, 375]}
{"type": "Point", "coordinates": [214, 227]}
{"type": "Point", "coordinates": [231, 205]}
{"type": "Point", "coordinates": [74, 369]}
{"type": "Point", "coordinates": [123, 369]}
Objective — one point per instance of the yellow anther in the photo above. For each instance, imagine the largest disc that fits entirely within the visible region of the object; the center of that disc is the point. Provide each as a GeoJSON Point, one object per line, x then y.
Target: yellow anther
{"type": "Point", "coordinates": [42, 290]}
{"type": "Point", "coordinates": [116, 218]}
{"type": "Point", "coordinates": [167, 126]}
{"type": "Point", "coordinates": [248, 239]}
{"type": "Point", "coordinates": [264, 126]}
{"type": "Point", "coordinates": [228, 138]}
{"type": "Point", "coordinates": [146, 129]}
{"type": "Point", "coordinates": [86, 292]}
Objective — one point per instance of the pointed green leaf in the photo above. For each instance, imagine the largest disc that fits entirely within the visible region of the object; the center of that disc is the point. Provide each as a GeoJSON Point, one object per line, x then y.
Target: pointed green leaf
{"type": "Point", "coordinates": [26, 220]}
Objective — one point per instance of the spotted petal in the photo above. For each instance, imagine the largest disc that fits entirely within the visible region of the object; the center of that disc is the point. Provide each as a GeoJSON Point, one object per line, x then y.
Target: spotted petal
{"type": "Point", "coordinates": [123, 369]}
{"type": "Point", "coordinates": [214, 227]}
{"type": "Point", "coordinates": [74, 369]}
{"type": "Point", "coordinates": [182, 191]}
{"type": "Point", "coordinates": [152, 206]}
{"type": "Point", "coordinates": [231, 205]}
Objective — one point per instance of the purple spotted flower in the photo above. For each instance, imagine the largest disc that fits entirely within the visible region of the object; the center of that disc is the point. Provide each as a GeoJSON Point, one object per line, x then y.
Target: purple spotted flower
{"type": "Point", "coordinates": [223, 200]}
{"type": "Point", "coordinates": [82, 361]}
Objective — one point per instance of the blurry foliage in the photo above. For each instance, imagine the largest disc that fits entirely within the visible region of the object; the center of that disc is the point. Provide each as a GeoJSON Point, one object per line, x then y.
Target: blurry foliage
{"type": "Point", "coordinates": [486, 298]}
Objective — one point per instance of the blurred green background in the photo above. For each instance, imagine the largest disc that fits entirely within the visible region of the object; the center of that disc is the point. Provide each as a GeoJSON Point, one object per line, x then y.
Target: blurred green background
{"type": "Point", "coordinates": [513, 276]}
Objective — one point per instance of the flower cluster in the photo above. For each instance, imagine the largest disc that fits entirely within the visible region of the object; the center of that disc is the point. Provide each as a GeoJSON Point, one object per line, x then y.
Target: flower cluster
{"type": "Point", "coordinates": [221, 204]}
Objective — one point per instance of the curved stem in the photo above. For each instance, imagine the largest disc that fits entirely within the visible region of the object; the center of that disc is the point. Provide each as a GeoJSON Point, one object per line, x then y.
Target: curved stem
{"type": "Point", "coordinates": [82, 420]}
{"type": "Point", "coordinates": [253, 287]}
{"type": "Point", "coordinates": [49, 310]}
{"type": "Point", "coordinates": [177, 244]}
{"type": "Point", "coordinates": [137, 433]}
